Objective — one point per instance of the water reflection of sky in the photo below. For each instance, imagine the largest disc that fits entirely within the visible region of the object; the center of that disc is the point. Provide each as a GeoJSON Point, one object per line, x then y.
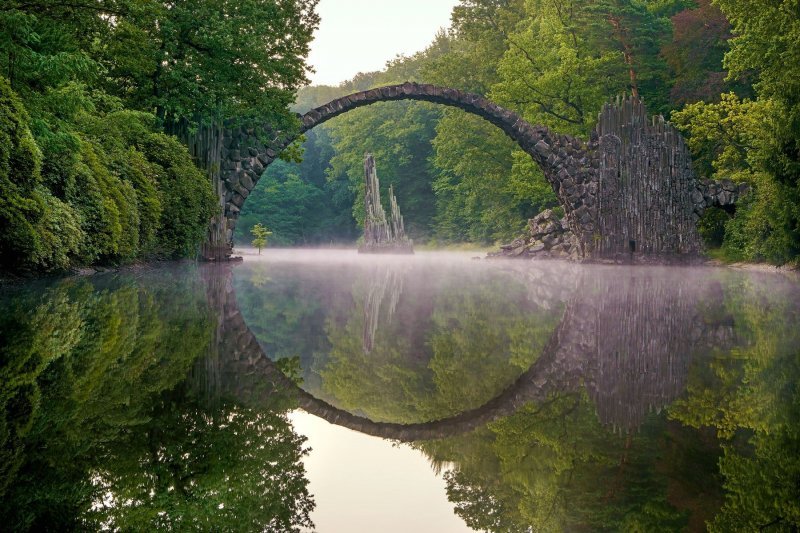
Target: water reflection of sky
{"type": "Point", "coordinates": [365, 484]}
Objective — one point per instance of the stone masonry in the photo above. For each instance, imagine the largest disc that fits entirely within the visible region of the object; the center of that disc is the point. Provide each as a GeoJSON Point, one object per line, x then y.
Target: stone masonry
{"type": "Point", "coordinates": [627, 192]}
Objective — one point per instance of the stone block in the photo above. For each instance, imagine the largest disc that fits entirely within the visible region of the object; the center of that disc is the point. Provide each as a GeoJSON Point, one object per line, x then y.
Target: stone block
{"type": "Point", "coordinates": [542, 148]}
{"type": "Point", "coordinates": [537, 247]}
{"type": "Point", "coordinates": [247, 181]}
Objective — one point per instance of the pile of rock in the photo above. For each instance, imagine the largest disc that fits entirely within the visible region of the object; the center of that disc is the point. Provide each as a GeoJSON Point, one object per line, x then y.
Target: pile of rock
{"type": "Point", "coordinates": [547, 237]}
{"type": "Point", "coordinates": [724, 194]}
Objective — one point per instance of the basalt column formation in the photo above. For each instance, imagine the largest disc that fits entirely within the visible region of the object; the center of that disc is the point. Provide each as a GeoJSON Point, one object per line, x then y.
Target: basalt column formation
{"type": "Point", "coordinates": [380, 234]}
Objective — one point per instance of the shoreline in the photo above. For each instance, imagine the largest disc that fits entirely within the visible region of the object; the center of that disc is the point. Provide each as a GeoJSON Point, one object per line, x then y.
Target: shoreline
{"type": "Point", "coordinates": [7, 278]}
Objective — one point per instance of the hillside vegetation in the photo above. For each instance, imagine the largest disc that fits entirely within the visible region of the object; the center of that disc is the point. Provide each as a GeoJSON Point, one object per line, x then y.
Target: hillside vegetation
{"type": "Point", "coordinates": [726, 73]}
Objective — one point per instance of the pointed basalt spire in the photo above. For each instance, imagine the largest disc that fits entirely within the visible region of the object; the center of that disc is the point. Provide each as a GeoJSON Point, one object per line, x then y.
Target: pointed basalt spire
{"type": "Point", "coordinates": [380, 235]}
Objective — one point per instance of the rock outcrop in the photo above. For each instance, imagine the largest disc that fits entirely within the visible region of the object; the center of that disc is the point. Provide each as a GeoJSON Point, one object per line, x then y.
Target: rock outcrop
{"type": "Point", "coordinates": [724, 194]}
{"type": "Point", "coordinates": [547, 237]}
{"type": "Point", "coordinates": [381, 235]}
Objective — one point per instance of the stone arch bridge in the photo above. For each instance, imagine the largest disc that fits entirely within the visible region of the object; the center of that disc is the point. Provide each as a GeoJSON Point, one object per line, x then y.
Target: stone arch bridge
{"type": "Point", "coordinates": [627, 191]}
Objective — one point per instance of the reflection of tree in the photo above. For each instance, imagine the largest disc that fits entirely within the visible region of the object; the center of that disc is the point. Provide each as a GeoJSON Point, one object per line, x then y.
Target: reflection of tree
{"type": "Point", "coordinates": [483, 338]}
{"type": "Point", "coordinates": [287, 313]}
{"type": "Point", "coordinates": [448, 346]}
{"type": "Point", "coordinates": [85, 368]}
{"type": "Point", "coordinates": [96, 353]}
{"type": "Point", "coordinates": [188, 468]}
{"type": "Point", "coordinates": [554, 467]}
{"type": "Point", "coordinates": [35, 332]}
{"type": "Point", "coordinates": [558, 464]}
{"type": "Point", "coordinates": [750, 396]}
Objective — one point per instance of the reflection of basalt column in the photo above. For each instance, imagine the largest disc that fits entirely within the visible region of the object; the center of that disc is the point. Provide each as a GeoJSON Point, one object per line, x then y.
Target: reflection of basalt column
{"type": "Point", "coordinates": [635, 331]}
{"type": "Point", "coordinates": [388, 281]}
{"type": "Point", "coordinates": [643, 355]}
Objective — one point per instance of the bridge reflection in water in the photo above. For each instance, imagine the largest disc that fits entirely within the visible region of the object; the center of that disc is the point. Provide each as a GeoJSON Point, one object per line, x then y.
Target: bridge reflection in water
{"type": "Point", "coordinates": [625, 335]}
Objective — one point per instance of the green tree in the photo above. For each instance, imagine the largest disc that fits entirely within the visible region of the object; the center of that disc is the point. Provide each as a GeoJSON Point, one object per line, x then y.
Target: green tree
{"type": "Point", "coordinates": [212, 60]}
{"type": "Point", "coordinates": [699, 41]}
{"type": "Point", "coordinates": [101, 83]}
{"type": "Point", "coordinates": [297, 202]}
{"type": "Point", "coordinates": [736, 139]}
{"type": "Point", "coordinates": [756, 139]}
{"type": "Point", "coordinates": [260, 234]}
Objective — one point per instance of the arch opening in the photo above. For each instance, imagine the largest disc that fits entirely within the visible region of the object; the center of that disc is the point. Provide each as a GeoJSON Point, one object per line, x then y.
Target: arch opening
{"type": "Point", "coordinates": [245, 158]}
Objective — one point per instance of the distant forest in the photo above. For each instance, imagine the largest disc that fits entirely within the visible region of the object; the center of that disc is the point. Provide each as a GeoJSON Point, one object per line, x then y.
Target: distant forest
{"type": "Point", "coordinates": [726, 74]}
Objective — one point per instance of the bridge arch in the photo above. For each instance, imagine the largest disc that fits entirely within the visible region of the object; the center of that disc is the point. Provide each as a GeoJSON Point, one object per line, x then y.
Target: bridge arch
{"type": "Point", "coordinates": [244, 156]}
{"type": "Point", "coordinates": [629, 191]}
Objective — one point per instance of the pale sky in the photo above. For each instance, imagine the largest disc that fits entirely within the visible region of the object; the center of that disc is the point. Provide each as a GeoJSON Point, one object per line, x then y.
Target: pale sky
{"type": "Point", "coordinates": [361, 35]}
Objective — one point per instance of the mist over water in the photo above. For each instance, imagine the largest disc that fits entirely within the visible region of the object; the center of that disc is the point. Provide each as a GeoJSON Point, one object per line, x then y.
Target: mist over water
{"type": "Point", "coordinates": [412, 313]}
{"type": "Point", "coordinates": [543, 395]}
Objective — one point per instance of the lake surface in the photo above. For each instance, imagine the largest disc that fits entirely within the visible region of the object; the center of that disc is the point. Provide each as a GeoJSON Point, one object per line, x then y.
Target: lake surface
{"type": "Point", "coordinates": [327, 391]}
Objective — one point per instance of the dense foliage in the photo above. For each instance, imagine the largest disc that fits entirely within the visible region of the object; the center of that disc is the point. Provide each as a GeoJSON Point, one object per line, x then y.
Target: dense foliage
{"type": "Point", "coordinates": [88, 95]}
{"type": "Point", "coordinates": [757, 139]}
{"type": "Point", "coordinates": [722, 71]}
{"type": "Point", "coordinates": [100, 429]}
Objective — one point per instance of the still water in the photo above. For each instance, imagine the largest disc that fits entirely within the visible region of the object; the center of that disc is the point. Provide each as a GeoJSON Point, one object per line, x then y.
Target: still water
{"type": "Point", "coordinates": [327, 391]}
